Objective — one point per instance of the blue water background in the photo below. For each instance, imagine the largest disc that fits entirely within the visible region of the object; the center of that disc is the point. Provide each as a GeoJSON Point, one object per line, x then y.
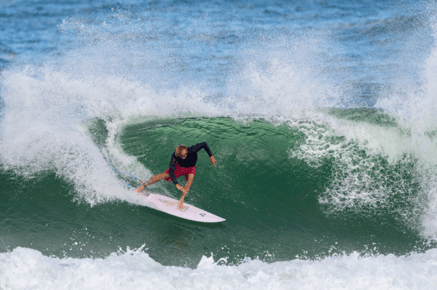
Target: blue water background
{"type": "Point", "coordinates": [363, 48]}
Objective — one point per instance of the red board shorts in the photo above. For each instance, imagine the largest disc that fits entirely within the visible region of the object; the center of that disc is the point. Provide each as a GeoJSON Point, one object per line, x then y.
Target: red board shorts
{"type": "Point", "coordinates": [179, 171]}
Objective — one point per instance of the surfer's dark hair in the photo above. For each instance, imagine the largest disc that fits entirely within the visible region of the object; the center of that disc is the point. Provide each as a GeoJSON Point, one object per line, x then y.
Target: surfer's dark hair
{"type": "Point", "coordinates": [179, 149]}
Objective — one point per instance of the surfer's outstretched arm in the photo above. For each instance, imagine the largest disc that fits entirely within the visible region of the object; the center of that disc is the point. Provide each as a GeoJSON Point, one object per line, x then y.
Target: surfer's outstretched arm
{"type": "Point", "coordinates": [199, 146]}
{"type": "Point", "coordinates": [196, 148]}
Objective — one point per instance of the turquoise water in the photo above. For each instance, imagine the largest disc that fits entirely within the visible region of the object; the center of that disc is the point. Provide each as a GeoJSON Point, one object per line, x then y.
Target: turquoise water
{"type": "Point", "coordinates": [321, 116]}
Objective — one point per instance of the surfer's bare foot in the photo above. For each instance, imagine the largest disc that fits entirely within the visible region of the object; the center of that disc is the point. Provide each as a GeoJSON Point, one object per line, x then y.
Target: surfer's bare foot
{"type": "Point", "coordinates": [139, 189]}
{"type": "Point", "coordinates": [181, 204]}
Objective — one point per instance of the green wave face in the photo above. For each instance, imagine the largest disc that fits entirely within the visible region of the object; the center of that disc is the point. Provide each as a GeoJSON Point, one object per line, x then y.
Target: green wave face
{"type": "Point", "coordinates": [278, 203]}
{"type": "Point", "coordinates": [295, 189]}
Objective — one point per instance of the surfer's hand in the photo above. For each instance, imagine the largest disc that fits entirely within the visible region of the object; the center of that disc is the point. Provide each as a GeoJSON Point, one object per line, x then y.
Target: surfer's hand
{"type": "Point", "coordinates": [213, 161]}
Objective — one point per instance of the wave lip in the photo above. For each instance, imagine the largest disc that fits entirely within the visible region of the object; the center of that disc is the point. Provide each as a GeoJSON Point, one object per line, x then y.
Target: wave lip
{"type": "Point", "coordinates": [134, 269]}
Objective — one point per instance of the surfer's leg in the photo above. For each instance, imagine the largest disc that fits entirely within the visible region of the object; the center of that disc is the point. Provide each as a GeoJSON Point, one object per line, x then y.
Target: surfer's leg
{"type": "Point", "coordinates": [153, 180]}
{"type": "Point", "coordinates": [157, 178]}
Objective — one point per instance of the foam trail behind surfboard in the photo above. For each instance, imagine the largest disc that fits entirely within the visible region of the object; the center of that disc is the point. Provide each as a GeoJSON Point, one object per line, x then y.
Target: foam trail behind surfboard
{"type": "Point", "coordinates": [122, 173]}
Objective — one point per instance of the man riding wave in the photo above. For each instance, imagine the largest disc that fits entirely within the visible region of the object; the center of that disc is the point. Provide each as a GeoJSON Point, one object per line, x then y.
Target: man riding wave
{"type": "Point", "coordinates": [183, 162]}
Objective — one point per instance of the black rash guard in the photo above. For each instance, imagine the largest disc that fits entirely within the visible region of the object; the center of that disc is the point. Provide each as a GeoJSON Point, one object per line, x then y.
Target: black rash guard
{"type": "Point", "coordinates": [189, 161]}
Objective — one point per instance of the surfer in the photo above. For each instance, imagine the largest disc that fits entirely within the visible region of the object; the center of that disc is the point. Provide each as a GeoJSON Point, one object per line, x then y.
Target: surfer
{"type": "Point", "coordinates": [182, 162]}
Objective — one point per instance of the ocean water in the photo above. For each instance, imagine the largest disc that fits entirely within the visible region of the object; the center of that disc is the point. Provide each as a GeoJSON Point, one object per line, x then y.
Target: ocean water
{"type": "Point", "coordinates": [321, 115]}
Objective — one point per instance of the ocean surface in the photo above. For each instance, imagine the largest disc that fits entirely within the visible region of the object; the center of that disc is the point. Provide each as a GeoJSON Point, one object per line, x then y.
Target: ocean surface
{"type": "Point", "coordinates": [322, 116]}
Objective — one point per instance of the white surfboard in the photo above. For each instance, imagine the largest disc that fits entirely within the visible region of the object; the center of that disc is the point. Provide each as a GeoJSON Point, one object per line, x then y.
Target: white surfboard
{"type": "Point", "coordinates": [170, 206]}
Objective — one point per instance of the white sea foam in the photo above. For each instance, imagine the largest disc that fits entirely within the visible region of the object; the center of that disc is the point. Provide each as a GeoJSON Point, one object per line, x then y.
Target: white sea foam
{"type": "Point", "coordinates": [45, 117]}
{"type": "Point", "coordinates": [416, 109]}
{"type": "Point", "coordinates": [373, 164]}
{"type": "Point", "coordinates": [25, 268]}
